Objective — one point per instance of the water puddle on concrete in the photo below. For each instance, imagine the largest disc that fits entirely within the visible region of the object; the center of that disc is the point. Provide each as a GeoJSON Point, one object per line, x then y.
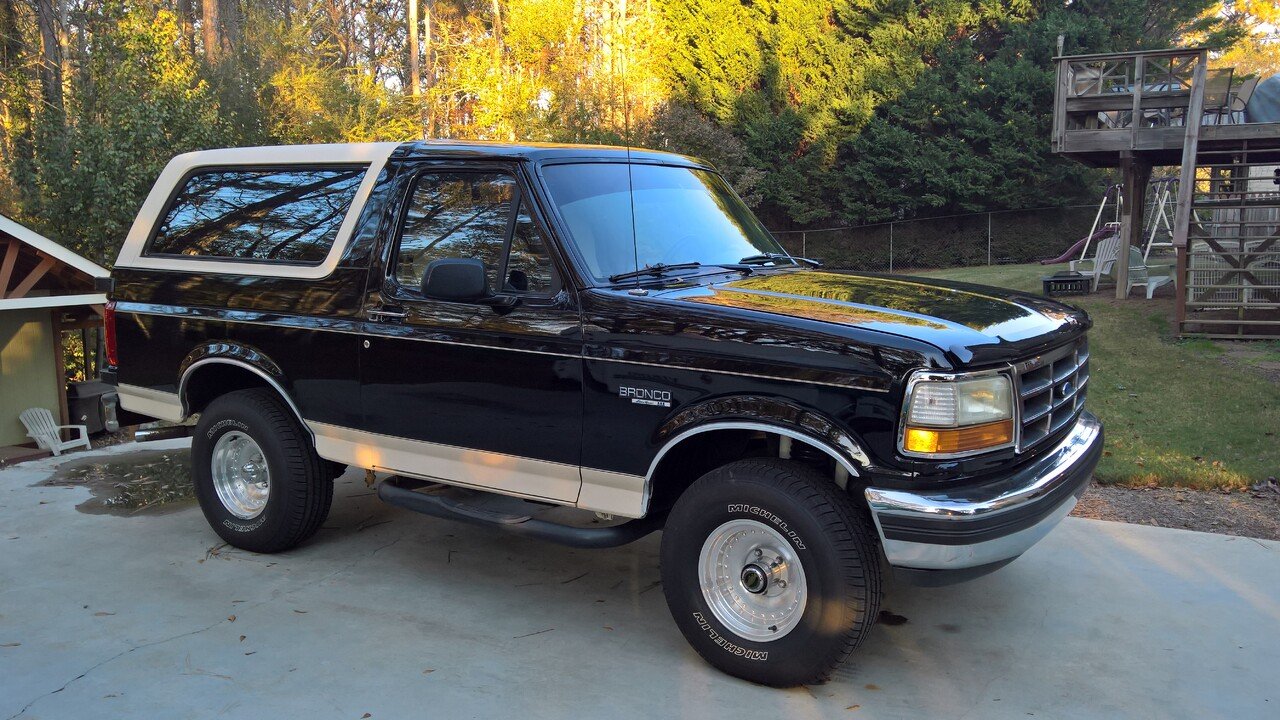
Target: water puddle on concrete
{"type": "Point", "coordinates": [140, 483]}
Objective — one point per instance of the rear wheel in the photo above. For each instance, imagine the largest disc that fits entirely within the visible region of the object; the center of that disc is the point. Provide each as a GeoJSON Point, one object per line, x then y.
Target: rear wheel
{"type": "Point", "coordinates": [258, 479]}
{"type": "Point", "coordinates": [770, 572]}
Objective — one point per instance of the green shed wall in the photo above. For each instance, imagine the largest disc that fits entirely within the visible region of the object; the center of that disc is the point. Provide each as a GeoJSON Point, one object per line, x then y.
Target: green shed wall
{"type": "Point", "coordinates": [27, 372]}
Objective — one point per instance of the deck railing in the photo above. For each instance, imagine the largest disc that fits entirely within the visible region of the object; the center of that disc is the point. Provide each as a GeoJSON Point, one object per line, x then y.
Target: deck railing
{"type": "Point", "coordinates": [1125, 93]}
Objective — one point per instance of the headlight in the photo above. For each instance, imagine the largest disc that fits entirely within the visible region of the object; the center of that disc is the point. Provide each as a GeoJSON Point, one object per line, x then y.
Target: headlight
{"type": "Point", "coordinates": [953, 415]}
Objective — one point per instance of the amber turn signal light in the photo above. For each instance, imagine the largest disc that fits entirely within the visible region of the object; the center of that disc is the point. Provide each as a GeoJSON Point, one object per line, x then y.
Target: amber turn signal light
{"type": "Point", "coordinates": [956, 440]}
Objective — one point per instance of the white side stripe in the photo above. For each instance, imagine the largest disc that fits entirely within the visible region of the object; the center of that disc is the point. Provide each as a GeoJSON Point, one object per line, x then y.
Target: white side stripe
{"type": "Point", "coordinates": [152, 403]}
{"type": "Point", "coordinates": [602, 491]}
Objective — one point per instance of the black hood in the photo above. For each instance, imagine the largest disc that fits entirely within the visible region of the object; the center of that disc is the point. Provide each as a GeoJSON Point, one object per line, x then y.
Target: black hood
{"type": "Point", "coordinates": [974, 324]}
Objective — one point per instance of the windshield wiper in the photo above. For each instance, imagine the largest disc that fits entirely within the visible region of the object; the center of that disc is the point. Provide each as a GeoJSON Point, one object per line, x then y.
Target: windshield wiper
{"type": "Point", "coordinates": [656, 270]}
{"type": "Point", "coordinates": [763, 258]}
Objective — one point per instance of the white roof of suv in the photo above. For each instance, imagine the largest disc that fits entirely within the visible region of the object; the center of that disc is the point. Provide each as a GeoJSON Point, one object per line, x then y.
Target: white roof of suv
{"type": "Point", "coordinates": [131, 253]}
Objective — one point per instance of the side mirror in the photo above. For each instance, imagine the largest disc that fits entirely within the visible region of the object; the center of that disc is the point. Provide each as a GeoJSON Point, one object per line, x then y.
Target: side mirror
{"type": "Point", "coordinates": [457, 279]}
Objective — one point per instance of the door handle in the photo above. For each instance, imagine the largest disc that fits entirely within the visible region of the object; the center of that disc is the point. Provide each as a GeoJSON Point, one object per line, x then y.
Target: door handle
{"type": "Point", "coordinates": [376, 314]}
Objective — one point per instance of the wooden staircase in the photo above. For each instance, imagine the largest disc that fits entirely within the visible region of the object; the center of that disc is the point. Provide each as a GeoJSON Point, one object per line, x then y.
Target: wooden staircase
{"type": "Point", "coordinates": [1229, 244]}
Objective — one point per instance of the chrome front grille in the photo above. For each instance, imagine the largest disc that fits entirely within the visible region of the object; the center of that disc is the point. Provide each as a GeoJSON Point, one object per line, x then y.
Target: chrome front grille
{"type": "Point", "coordinates": [1051, 390]}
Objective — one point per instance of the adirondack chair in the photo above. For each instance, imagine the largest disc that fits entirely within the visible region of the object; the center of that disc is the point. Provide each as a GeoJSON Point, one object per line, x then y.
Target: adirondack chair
{"type": "Point", "coordinates": [1140, 274]}
{"type": "Point", "coordinates": [1102, 261]}
{"type": "Point", "coordinates": [42, 428]}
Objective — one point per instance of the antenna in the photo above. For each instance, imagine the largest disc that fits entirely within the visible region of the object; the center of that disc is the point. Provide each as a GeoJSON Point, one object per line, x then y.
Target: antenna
{"type": "Point", "coordinates": [631, 186]}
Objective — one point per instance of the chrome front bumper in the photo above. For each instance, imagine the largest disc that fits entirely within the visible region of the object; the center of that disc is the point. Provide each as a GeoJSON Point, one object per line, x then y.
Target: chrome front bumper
{"type": "Point", "coordinates": [987, 525]}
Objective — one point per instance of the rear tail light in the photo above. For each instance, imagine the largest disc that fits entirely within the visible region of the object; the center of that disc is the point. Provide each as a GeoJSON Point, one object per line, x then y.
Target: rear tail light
{"type": "Point", "coordinates": [109, 332]}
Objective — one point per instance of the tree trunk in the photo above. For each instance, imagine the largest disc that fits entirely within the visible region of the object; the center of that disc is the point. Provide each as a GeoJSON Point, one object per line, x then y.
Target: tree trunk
{"type": "Point", "coordinates": [232, 25]}
{"type": "Point", "coordinates": [47, 18]}
{"type": "Point", "coordinates": [10, 67]}
{"type": "Point", "coordinates": [210, 30]}
{"type": "Point", "coordinates": [187, 22]}
{"type": "Point", "coordinates": [428, 47]}
{"type": "Point", "coordinates": [428, 59]}
{"type": "Point", "coordinates": [415, 76]}
{"type": "Point", "coordinates": [415, 73]}
{"type": "Point", "coordinates": [497, 21]}
{"type": "Point", "coordinates": [340, 31]}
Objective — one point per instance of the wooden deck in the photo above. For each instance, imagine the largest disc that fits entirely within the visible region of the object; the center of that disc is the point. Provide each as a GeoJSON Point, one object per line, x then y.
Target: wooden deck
{"type": "Point", "coordinates": [1164, 145]}
{"type": "Point", "coordinates": [14, 454]}
{"type": "Point", "coordinates": [1138, 104]}
{"type": "Point", "coordinates": [1140, 110]}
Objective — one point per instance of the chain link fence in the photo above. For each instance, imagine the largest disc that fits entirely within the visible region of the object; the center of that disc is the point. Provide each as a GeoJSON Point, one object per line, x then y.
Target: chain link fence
{"type": "Point", "coordinates": [991, 238]}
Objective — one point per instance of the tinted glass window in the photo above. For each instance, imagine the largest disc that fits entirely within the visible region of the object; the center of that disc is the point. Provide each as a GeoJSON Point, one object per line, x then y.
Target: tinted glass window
{"type": "Point", "coordinates": [468, 215]}
{"type": "Point", "coordinates": [680, 215]}
{"type": "Point", "coordinates": [284, 215]}
{"type": "Point", "coordinates": [529, 265]}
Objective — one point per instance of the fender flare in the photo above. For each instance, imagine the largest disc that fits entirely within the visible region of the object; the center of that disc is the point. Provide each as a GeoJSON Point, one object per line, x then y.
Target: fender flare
{"type": "Point", "coordinates": [764, 414]}
{"type": "Point", "coordinates": [242, 356]}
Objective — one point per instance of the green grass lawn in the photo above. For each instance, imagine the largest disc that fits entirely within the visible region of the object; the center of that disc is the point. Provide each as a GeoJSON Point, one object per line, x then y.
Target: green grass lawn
{"type": "Point", "coordinates": [1195, 413]}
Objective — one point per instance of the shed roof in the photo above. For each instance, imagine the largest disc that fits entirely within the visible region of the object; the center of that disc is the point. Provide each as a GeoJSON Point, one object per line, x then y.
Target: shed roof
{"type": "Point", "coordinates": [36, 272]}
{"type": "Point", "coordinates": [49, 247]}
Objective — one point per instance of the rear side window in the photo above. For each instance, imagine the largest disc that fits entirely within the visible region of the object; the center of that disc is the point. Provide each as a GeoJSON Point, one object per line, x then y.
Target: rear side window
{"type": "Point", "coordinates": [287, 215]}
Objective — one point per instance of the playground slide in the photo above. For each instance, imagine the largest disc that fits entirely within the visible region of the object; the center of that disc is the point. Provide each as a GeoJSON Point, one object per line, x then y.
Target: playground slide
{"type": "Point", "coordinates": [1074, 250]}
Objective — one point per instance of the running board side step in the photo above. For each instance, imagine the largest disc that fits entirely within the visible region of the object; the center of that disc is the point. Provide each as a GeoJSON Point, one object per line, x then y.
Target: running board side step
{"type": "Point", "coordinates": [404, 492]}
{"type": "Point", "coordinates": [168, 432]}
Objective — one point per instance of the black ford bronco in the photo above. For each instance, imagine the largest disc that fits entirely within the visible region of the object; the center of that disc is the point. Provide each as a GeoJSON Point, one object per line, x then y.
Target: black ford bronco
{"type": "Point", "coordinates": [505, 331]}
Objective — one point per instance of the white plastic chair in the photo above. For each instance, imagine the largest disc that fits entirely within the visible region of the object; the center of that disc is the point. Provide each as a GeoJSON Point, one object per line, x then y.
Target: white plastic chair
{"type": "Point", "coordinates": [1140, 274]}
{"type": "Point", "coordinates": [42, 428]}
{"type": "Point", "coordinates": [1102, 261]}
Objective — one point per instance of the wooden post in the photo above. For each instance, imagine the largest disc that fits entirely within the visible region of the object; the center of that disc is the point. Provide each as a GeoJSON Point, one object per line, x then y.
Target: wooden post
{"type": "Point", "coordinates": [59, 365]}
{"type": "Point", "coordinates": [1136, 174]}
{"type": "Point", "coordinates": [1180, 288]}
{"type": "Point", "coordinates": [891, 247]}
{"type": "Point", "coordinates": [1190, 145]}
{"type": "Point", "coordinates": [1135, 120]}
{"type": "Point", "coordinates": [1182, 214]}
{"type": "Point", "coordinates": [1063, 87]}
{"type": "Point", "coordinates": [6, 266]}
{"type": "Point", "coordinates": [84, 353]}
{"type": "Point", "coordinates": [988, 239]}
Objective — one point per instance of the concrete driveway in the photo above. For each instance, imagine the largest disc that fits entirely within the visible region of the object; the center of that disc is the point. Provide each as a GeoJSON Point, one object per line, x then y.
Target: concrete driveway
{"type": "Point", "coordinates": [403, 616]}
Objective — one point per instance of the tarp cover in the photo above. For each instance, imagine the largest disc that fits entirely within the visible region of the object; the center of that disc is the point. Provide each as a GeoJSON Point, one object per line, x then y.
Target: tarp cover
{"type": "Point", "coordinates": [1264, 105]}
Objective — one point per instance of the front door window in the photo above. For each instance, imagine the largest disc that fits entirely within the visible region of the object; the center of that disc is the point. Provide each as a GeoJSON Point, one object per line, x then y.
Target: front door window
{"type": "Point", "coordinates": [473, 215]}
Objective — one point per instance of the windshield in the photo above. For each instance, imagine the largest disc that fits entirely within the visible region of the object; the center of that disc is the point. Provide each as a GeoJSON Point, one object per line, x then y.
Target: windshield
{"type": "Point", "coordinates": [682, 215]}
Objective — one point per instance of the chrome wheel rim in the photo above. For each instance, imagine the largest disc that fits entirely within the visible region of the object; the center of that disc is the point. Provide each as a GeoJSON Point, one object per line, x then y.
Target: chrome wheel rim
{"type": "Point", "coordinates": [752, 580]}
{"type": "Point", "coordinates": [241, 477]}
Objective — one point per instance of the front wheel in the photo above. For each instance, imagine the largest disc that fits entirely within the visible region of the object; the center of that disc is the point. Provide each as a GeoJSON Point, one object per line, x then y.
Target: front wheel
{"type": "Point", "coordinates": [770, 572]}
{"type": "Point", "coordinates": [258, 479]}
